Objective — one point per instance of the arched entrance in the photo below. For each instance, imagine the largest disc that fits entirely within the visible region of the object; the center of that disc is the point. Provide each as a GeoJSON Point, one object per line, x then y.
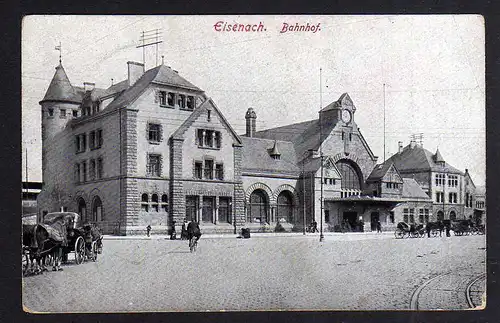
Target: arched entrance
{"type": "Point", "coordinates": [440, 216]}
{"type": "Point", "coordinates": [82, 209]}
{"type": "Point", "coordinates": [259, 204]}
{"type": "Point", "coordinates": [453, 216]}
{"type": "Point", "coordinates": [97, 210]}
{"type": "Point", "coordinates": [284, 207]}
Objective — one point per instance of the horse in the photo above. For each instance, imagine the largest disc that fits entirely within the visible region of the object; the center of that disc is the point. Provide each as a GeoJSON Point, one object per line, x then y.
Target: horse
{"type": "Point", "coordinates": [39, 243]}
{"type": "Point", "coordinates": [439, 225]}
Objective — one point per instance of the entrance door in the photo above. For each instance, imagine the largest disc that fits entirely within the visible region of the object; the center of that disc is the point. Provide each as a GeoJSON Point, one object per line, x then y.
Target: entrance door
{"type": "Point", "coordinates": [191, 207]}
{"type": "Point", "coordinates": [352, 219]}
{"type": "Point", "coordinates": [208, 209]}
{"type": "Point", "coordinates": [374, 219]}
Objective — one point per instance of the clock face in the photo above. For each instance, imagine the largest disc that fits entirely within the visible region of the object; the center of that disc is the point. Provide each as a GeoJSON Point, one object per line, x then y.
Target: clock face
{"type": "Point", "coordinates": [346, 116]}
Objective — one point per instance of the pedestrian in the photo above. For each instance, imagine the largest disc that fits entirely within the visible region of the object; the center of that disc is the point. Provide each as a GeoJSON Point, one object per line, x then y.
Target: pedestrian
{"type": "Point", "coordinates": [428, 229]}
{"type": "Point", "coordinates": [447, 228]}
{"type": "Point", "coordinates": [379, 227]}
{"type": "Point", "coordinates": [148, 230]}
{"type": "Point", "coordinates": [315, 226]}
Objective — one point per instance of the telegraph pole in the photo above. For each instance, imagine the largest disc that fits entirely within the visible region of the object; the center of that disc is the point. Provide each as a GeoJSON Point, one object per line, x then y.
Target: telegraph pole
{"type": "Point", "coordinates": [148, 38]}
{"type": "Point", "coordinates": [384, 122]}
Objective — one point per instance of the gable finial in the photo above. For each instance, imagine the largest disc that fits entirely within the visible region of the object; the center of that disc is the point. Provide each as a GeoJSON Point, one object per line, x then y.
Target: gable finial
{"type": "Point", "coordinates": [59, 48]}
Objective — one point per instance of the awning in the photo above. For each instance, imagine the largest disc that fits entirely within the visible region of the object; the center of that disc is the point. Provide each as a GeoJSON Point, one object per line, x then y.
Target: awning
{"type": "Point", "coordinates": [366, 200]}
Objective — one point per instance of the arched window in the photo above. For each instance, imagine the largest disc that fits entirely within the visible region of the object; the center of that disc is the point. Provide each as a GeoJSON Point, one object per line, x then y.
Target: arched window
{"type": "Point", "coordinates": [82, 209]}
{"type": "Point", "coordinates": [97, 214]}
{"type": "Point", "coordinates": [285, 207]}
{"type": "Point", "coordinates": [154, 204]}
{"type": "Point", "coordinates": [350, 177]}
{"type": "Point", "coordinates": [144, 202]}
{"type": "Point", "coordinates": [453, 216]}
{"type": "Point", "coordinates": [258, 207]}
{"type": "Point", "coordinates": [440, 216]}
{"type": "Point", "coordinates": [164, 202]}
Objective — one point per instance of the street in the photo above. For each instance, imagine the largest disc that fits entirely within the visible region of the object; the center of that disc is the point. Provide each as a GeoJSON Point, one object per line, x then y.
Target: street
{"type": "Point", "coordinates": [364, 271]}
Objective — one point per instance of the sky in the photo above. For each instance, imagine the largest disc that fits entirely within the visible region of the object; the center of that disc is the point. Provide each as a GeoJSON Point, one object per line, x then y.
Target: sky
{"type": "Point", "coordinates": [433, 68]}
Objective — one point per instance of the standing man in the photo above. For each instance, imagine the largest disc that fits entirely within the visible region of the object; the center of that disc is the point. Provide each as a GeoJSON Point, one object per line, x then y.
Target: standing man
{"type": "Point", "coordinates": [148, 230]}
{"type": "Point", "coordinates": [379, 227]}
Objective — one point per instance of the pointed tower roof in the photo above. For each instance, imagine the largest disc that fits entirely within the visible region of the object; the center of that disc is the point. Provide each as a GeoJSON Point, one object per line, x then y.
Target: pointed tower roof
{"type": "Point", "coordinates": [438, 158]}
{"type": "Point", "coordinates": [275, 151]}
{"type": "Point", "coordinates": [60, 88]}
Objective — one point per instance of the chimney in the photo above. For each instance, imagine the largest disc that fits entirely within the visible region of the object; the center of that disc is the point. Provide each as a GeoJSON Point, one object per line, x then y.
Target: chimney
{"type": "Point", "coordinates": [250, 117]}
{"type": "Point", "coordinates": [400, 147]}
{"type": "Point", "coordinates": [413, 143]}
{"type": "Point", "coordinates": [88, 86]}
{"type": "Point", "coordinates": [135, 71]}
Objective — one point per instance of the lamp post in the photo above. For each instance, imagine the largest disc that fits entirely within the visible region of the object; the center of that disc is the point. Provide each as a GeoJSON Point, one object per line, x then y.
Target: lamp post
{"type": "Point", "coordinates": [321, 237]}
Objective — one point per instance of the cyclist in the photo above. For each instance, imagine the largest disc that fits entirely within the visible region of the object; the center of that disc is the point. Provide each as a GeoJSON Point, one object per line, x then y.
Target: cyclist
{"type": "Point", "coordinates": [193, 231]}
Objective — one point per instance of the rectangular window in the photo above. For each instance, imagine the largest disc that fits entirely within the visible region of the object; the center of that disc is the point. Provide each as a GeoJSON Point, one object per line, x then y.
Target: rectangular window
{"type": "Point", "coordinates": [412, 215]}
{"type": "Point", "coordinates": [51, 112]}
{"type": "Point", "coordinates": [209, 138]}
{"type": "Point", "coordinates": [199, 137]}
{"type": "Point", "coordinates": [438, 195]}
{"type": "Point", "coordinates": [92, 169]}
{"type": "Point", "coordinates": [92, 139]}
{"type": "Point", "coordinates": [426, 214]}
{"type": "Point", "coordinates": [77, 143]}
{"type": "Point", "coordinates": [217, 139]}
{"type": "Point", "coordinates": [84, 171]}
{"type": "Point", "coordinates": [198, 170]}
{"type": "Point", "coordinates": [181, 101]}
{"type": "Point", "coordinates": [99, 168]}
{"type": "Point", "coordinates": [171, 99]}
{"type": "Point", "coordinates": [421, 215]}
{"type": "Point", "coordinates": [190, 103]}
{"type": "Point", "coordinates": [154, 132]}
{"type": "Point", "coordinates": [191, 208]}
{"type": "Point", "coordinates": [75, 113]}
{"type": "Point", "coordinates": [99, 138]}
{"type": "Point", "coordinates": [219, 171]}
{"type": "Point", "coordinates": [405, 215]}
{"type": "Point", "coordinates": [225, 210]}
{"type": "Point", "coordinates": [154, 165]}
{"type": "Point", "coordinates": [163, 98]}
{"type": "Point", "coordinates": [62, 113]}
{"type": "Point", "coordinates": [83, 142]}
{"type": "Point", "coordinates": [350, 136]}
{"type": "Point", "coordinates": [209, 169]}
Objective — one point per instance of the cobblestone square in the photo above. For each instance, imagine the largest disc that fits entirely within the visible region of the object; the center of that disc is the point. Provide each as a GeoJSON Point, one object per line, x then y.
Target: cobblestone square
{"type": "Point", "coordinates": [363, 271]}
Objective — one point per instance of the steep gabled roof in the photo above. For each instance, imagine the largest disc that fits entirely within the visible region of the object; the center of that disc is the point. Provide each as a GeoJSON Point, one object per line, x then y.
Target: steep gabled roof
{"type": "Point", "coordinates": [179, 133]}
{"type": "Point", "coordinates": [343, 100]}
{"type": "Point", "coordinates": [379, 171]}
{"type": "Point", "coordinates": [256, 156]}
{"type": "Point", "coordinates": [60, 88]}
{"type": "Point", "coordinates": [419, 159]}
{"type": "Point", "coordinates": [411, 190]}
{"type": "Point", "coordinates": [160, 75]}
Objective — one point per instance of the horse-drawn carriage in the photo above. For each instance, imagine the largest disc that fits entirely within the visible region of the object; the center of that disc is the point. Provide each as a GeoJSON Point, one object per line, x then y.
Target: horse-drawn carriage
{"type": "Point", "coordinates": [405, 230]}
{"type": "Point", "coordinates": [50, 242]}
{"type": "Point", "coordinates": [466, 227]}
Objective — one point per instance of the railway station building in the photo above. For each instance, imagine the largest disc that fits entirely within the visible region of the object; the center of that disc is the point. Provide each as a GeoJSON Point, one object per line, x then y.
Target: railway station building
{"type": "Point", "coordinates": [154, 149]}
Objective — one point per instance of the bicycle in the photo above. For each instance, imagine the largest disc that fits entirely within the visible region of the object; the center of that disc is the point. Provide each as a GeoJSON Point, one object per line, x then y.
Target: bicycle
{"type": "Point", "coordinates": [193, 243]}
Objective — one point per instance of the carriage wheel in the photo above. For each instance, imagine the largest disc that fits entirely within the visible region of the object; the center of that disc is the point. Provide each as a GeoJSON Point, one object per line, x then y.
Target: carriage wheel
{"type": "Point", "coordinates": [406, 234]}
{"type": "Point", "coordinates": [398, 234]}
{"type": "Point", "coordinates": [79, 250]}
{"type": "Point", "coordinates": [93, 251]}
{"type": "Point", "coordinates": [434, 233]}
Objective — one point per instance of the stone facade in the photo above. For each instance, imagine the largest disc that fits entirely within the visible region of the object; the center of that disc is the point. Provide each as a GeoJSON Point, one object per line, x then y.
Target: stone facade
{"type": "Point", "coordinates": [155, 150]}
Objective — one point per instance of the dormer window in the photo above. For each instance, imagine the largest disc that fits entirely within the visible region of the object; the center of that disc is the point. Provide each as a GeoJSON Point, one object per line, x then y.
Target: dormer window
{"type": "Point", "coordinates": [163, 98]}
{"type": "Point", "coordinates": [170, 99]}
{"type": "Point", "coordinates": [181, 101]}
{"type": "Point", "coordinates": [190, 104]}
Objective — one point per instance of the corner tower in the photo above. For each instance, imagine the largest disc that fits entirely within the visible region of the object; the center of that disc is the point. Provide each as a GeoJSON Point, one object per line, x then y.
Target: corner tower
{"type": "Point", "coordinates": [60, 104]}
